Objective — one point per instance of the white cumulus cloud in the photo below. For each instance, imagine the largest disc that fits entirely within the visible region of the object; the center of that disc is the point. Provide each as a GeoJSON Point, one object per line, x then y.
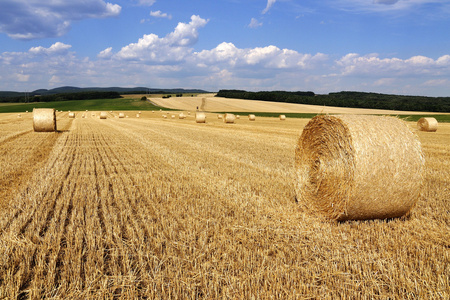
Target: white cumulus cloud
{"type": "Point", "coordinates": [159, 14]}
{"type": "Point", "coordinates": [57, 48]}
{"type": "Point", "coordinates": [36, 19]}
{"type": "Point", "coordinates": [172, 47]}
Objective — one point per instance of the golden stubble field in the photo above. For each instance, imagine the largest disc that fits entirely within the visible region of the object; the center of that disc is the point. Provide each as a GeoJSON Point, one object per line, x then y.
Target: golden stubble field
{"type": "Point", "coordinates": [170, 209]}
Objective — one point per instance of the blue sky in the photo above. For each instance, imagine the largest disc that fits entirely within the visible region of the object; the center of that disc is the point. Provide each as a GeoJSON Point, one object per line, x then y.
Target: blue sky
{"type": "Point", "coordinates": [386, 46]}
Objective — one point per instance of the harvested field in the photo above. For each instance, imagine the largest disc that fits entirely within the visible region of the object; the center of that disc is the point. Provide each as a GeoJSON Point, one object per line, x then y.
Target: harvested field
{"type": "Point", "coordinates": [208, 102]}
{"type": "Point", "coordinates": [167, 208]}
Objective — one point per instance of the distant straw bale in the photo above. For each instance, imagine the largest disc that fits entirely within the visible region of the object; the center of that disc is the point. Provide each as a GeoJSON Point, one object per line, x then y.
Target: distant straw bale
{"type": "Point", "coordinates": [427, 124]}
{"type": "Point", "coordinates": [229, 118]}
{"type": "Point", "coordinates": [238, 117]}
{"type": "Point", "coordinates": [251, 117]}
{"type": "Point", "coordinates": [19, 115]}
{"type": "Point", "coordinates": [354, 167]}
{"type": "Point", "coordinates": [138, 115]}
{"type": "Point", "coordinates": [220, 116]}
{"type": "Point", "coordinates": [121, 115]}
{"type": "Point", "coordinates": [44, 119]}
{"type": "Point", "coordinates": [181, 116]}
{"type": "Point", "coordinates": [71, 115]}
{"type": "Point", "coordinates": [103, 115]}
{"type": "Point", "coordinates": [282, 117]}
{"type": "Point", "coordinates": [200, 117]}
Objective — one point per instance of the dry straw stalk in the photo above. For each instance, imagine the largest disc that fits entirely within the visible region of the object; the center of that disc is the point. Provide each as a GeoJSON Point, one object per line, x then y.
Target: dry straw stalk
{"type": "Point", "coordinates": [229, 118]}
{"type": "Point", "coordinates": [427, 124]}
{"type": "Point", "coordinates": [200, 117]}
{"type": "Point", "coordinates": [44, 119]}
{"type": "Point", "coordinates": [359, 167]}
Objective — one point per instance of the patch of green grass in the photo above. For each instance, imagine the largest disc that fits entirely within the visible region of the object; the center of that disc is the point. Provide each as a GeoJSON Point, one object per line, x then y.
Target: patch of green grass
{"type": "Point", "coordinates": [415, 118]}
{"type": "Point", "coordinates": [80, 105]}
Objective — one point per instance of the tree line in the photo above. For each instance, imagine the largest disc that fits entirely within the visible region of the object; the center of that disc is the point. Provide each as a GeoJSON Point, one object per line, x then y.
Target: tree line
{"type": "Point", "coordinates": [22, 98]}
{"type": "Point", "coordinates": [347, 99]}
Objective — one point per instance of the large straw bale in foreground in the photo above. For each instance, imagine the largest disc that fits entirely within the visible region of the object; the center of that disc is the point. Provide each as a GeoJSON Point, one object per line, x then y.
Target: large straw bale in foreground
{"type": "Point", "coordinates": [44, 119]}
{"type": "Point", "coordinates": [427, 124]}
{"type": "Point", "coordinates": [358, 167]}
{"type": "Point", "coordinates": [103, 115]}
{"type": "Point", "coordinates": [229, 118]}
{"type": "Point", "coordinates": [200, 117]}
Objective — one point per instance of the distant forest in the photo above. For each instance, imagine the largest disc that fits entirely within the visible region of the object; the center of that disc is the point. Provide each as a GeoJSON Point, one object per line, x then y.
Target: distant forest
{"type": "Point", "coordinates": [67, 93]}
{"type": "Point", "coordinates": [347, 99]}
{"type": "Point", "coordinates": [60, 97]}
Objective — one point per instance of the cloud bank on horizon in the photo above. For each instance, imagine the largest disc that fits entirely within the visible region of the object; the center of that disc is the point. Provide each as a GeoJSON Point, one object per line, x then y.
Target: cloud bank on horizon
{"type": "Point", "coordinates": [255, 49]}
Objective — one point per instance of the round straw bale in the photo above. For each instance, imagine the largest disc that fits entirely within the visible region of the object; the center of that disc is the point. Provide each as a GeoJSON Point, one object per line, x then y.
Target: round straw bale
{"type": "Point", "coordinates": [238, 117]}
{"type": "Point", "coordinates": [181, 116]}
{"type": "Point", "coordinates": [72, 115]}
{"type": "Point", "coordinates": [356, 167]}
{"type": "Point", "coordinates": [282, 117]}
{"type": "Point", "coordinates": [173, 116]}
{"type": "Point", "coordinates": [121, 115]}
{"type": "Point", "coordinates": [44, 119]}
{"type": "Point", "coordinates": [103, 115]}
{"type": "Point", "coordinates": [229, 118]}
{"type": "Point", "coordinates": [189, 113]}
{"type": "Point", "coordinates": [200, 117]}
{"type": "Point", "coordinates": [427, 124]}
{"type": "Point", "coordinates": [164, 116]}
{"type": "Point", "coordinates": [19, 115]}
{"type": "Point", "coordinates": [220, 117]}
{"type": "Point", "coordinates": [138, 115]}
{"type": "Point", "coordinates": [251, 117]}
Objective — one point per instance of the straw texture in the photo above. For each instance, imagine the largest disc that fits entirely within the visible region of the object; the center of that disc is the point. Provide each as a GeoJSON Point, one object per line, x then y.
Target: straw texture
{"type": "Point", "coordinates": [200, 117]}
{"type": "Point", "coordinates": [356, 167]}
{"type": "Point", "coordinates": [229, 118]}
{"type": "Point", "coordinates": [44, 119]}
{"type": "Point", "coordinates": [103, 115]}
{"type": "Point", "coordinates": [427, 124]}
